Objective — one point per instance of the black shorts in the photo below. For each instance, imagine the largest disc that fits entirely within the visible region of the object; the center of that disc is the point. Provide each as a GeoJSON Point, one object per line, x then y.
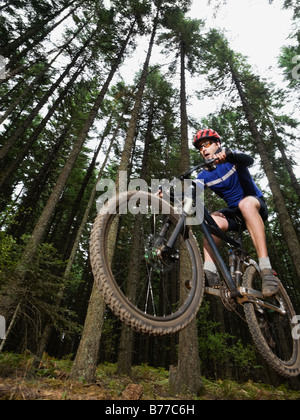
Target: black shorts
{"type": "Point", "coordinates": [235, 217]}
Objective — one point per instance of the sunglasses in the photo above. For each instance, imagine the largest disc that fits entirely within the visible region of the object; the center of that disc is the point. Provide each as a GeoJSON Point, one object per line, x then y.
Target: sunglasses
{"type": "Point", "coordinates": [205, 145]}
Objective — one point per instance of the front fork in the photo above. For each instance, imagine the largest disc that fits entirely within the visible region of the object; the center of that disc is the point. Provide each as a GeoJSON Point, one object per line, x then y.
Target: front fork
{"type": "Point", "coordinates": [169, 247]}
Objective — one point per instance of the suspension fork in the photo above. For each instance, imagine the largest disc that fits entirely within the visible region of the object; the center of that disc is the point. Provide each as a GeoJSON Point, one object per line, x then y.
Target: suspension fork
{"type": "Point", "coordinates": [187, 207]}
{"type": "Point", "coordinates": [162, 233]}
{"type": "Point", "coordinates": [177, 231]}
{"type": "Point", "coordinates": [180, 226]}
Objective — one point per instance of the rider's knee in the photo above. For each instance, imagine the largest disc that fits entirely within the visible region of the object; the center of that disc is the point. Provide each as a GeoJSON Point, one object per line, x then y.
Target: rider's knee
{"type": "Point", "coordinates": [249, 205]}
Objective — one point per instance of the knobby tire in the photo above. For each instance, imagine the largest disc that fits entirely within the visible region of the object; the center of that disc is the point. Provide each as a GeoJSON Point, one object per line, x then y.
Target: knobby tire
{"type": "Point", "coordinates": [272, 332]}
{"type": "Point", "coordinates": [108, 249]}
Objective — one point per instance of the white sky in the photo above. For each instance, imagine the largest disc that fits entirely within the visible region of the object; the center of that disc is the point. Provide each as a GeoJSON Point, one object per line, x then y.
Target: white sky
{"type": "Point", "coordinates": [254, 27]}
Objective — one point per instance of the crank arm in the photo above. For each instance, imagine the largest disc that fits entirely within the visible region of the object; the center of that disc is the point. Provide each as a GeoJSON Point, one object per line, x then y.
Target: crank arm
{"type": "Point", "coordinates": [256, 297]}
{"type": "Point", "coordinates": [245, 291]}
{"type": "Point", "coordinates": [212, 291]}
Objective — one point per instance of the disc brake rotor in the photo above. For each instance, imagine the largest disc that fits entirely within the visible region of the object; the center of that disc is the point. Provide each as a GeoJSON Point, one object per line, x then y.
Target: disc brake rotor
{"type": "Point", "coordinates": [160, 262]}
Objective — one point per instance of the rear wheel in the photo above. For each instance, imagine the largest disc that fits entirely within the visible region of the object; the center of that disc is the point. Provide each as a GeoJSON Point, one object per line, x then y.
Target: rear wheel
{"type": "Point", "coordinates": [144, 286]}
{"type": "Point", "coordinates": [272, 332]}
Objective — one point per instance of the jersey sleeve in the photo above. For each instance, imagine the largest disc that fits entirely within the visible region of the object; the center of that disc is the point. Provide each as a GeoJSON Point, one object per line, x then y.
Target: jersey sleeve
{"type": "Point", "coordinates": [238, 158]}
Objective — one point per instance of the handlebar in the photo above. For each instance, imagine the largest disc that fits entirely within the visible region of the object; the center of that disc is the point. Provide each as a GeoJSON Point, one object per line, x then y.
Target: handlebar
{"type": "Point", "coordinates": [208, 163]}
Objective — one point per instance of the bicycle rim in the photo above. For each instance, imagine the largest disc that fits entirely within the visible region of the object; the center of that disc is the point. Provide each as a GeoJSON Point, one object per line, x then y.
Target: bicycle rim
{"type": "Point", "coordinates": [144, 289]}
{"type": "Point", "coordinates": [271, 331]}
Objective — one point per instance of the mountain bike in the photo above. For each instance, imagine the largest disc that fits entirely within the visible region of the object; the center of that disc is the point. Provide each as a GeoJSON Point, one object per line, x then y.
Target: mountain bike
{"type": "Point", "coordinates": [149, 270]}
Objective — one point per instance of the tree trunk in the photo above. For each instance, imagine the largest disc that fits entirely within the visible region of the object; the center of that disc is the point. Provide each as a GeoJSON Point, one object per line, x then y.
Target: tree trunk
{"type": "Point", "coordinates": [63, 248]}
{"type": "Point", "coordinates": [289, 168]}
{"type": "Point", "coordinates": [184, 144]}
{"type": "Point", "coordinates": [130, 135]}
{"type": "Point", "coordinates": [11, 324]}
{"type": "Point", "coordinates": [126, 340]}
{"type": "Point", "coordinates": [85, 364]}
{"type": "Point", "coordinates": [187, 377]}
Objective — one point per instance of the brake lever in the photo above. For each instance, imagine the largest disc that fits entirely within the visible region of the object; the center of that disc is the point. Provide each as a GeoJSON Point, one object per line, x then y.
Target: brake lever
{"type": "Point", "coordinates": [207, 165]}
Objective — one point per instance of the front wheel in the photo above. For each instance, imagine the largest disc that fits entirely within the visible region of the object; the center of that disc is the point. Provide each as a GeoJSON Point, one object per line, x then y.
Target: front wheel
{"type": "Point", "coordinates": [272, 331]}
{"type": "Point", "coordinates": [144, 286]}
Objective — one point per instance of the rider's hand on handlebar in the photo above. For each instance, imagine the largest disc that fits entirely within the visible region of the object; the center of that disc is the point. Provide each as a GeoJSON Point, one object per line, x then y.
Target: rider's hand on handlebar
{"type": "Point", "coordinates": [220, 157]}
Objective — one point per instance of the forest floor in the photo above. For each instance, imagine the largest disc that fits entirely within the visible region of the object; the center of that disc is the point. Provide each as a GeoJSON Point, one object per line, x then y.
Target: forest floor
{"type": "Point", "coordinates": [50, 382]}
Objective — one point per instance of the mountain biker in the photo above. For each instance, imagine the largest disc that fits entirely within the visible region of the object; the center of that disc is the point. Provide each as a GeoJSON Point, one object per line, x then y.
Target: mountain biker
{"type": "Point", "coordinates": [230, 179]}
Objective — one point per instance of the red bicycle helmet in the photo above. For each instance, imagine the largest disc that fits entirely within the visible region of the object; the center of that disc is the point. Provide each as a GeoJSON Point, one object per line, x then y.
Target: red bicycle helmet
{"type": "Point", "coordinates": [207, 134]}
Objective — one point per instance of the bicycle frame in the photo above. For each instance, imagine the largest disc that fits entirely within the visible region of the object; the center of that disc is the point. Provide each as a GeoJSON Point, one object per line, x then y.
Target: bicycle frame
{"type": "Point", "coordinates": [209, 228]}
{"type": "Point", "coordinates": [219, 260]}
{"type": "Point", "coordinates": [208, 225]}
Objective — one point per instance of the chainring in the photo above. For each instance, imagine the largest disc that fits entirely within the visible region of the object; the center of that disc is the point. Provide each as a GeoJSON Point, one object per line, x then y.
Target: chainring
{"type": "Point", "coordinates": [228, 302]}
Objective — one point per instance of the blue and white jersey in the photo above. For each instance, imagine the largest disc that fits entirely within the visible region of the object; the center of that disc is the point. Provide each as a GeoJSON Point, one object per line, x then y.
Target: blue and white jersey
{"type": "Point", "coordinates": [231, 181]}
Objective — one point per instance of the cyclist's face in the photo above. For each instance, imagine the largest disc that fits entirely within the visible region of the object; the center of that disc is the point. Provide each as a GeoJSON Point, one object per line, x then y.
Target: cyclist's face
{"type": "Point", "coordinates": [208, 149]}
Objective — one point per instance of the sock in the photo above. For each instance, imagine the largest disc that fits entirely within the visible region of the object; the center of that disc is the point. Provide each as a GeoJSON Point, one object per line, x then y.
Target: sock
{"type": "Point", "coordinates": [264, 263]}
{"type": "Point", "coordinates": [210, 266]}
